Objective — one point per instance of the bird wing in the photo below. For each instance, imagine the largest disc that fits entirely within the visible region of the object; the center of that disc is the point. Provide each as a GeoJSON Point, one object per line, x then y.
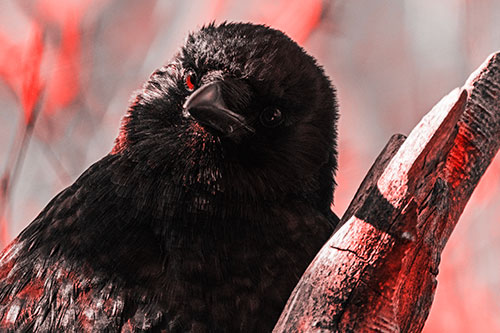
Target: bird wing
{"type": "Point", "coordinates": [62, 273]}
{"type": "Point", "coordinates": [61, 297]}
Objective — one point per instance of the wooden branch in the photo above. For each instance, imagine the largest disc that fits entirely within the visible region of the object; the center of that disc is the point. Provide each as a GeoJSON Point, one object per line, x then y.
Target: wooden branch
{"type": "Point", "coordinates": [378, 271]}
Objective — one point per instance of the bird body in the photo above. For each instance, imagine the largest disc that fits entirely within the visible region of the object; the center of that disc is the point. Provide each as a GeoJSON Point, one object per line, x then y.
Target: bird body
{"type": "Point", "coordinates": [207, 211]}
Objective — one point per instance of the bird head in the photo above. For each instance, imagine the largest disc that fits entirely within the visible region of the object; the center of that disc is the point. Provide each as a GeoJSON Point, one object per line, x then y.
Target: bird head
{"type": "Point", "coordinates": [241, 106]}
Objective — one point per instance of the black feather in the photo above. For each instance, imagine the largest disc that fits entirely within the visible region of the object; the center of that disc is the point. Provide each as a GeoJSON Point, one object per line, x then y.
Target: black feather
{"type": "Point", "coordinates": [182, 227]}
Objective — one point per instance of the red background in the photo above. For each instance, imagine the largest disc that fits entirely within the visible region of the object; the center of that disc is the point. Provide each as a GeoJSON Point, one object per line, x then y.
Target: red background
{"type": "Point", "coordinates": [67, 69]}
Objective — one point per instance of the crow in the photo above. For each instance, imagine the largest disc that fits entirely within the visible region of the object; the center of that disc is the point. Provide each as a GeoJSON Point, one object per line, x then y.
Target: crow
{"type": "Point", "coordinates": [213, 201]}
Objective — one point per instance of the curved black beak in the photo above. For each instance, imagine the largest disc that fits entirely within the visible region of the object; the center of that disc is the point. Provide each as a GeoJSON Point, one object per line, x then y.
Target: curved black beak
{"type": "Point", "coordinates": [207, 106]}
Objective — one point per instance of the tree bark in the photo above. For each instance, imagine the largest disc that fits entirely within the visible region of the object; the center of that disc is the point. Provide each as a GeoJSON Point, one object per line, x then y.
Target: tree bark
{"type": "Point", "coordinates": [378, 270]}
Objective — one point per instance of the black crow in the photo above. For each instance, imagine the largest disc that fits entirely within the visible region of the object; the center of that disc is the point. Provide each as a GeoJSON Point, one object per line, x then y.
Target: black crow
{"type": "Point", "coordinates": [213, 201]}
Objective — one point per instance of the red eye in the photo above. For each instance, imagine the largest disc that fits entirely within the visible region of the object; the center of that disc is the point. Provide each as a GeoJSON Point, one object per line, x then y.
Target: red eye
{"type": "Point", "coordinates": [190, 80]}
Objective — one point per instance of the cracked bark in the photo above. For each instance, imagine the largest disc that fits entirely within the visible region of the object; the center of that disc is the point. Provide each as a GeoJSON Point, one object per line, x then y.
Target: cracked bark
{"type": "Point", "coordinates": [378, 270]}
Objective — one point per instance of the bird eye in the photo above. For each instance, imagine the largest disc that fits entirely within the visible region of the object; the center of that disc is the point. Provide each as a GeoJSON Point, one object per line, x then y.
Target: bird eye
{"type": "Point", "coordinates": [190, 80]}
{"type": "Point", "coordinates": [271, 117]}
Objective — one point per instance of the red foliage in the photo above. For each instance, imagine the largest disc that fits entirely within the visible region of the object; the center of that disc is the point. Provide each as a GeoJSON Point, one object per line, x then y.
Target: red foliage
{"type": "Point", "coordinates": [20, 65]}
{"type": "Point", "coordinates": [4, 233]}
{"type": "Point", "coordinates": [284, 15]}
{"type": "Point", "coordinates": [9, 70]}
{"type": "Point", "coordinates": [20, 68]}
{"type": "Point", "coordinates": [31, 81]}
{"type": "Point", "coordinates": [58, 12]}
{"type": "Point", "coordinates": [63, 85]}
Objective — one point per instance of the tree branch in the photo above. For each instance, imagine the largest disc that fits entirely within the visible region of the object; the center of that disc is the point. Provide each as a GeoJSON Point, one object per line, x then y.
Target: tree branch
{"type": "Point", "coordinates": [378, 271]}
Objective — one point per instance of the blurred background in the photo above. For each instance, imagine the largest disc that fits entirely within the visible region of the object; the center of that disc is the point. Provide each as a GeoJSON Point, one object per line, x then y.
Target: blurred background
{"type": "Point", "coordinates": [68, 68]}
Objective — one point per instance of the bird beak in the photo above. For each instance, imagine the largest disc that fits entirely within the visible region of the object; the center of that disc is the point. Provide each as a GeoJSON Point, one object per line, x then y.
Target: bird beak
{"type": "Point", "coordinates": [206, 105]}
